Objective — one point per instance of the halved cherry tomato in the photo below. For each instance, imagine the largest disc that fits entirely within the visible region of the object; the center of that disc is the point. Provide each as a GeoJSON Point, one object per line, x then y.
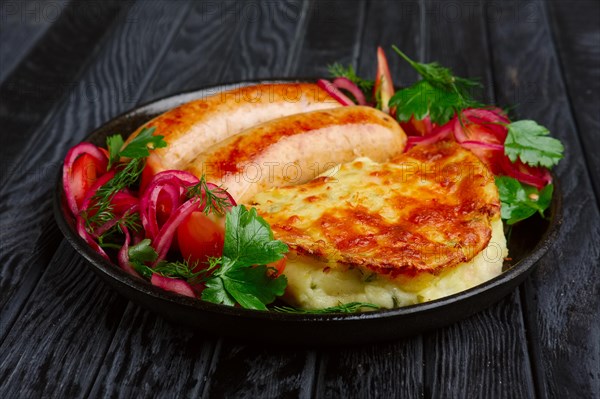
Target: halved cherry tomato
{"type": "Point", "coordinates": [279, 266]}
{"type": "Point", "coordinates": [416, 127]}
{"type": "Point", "coordinates": [384, 87]}
{"type": "Point", "coordinates": [86, 170]}
{"type": "Point", "coordinates": [201, 236]}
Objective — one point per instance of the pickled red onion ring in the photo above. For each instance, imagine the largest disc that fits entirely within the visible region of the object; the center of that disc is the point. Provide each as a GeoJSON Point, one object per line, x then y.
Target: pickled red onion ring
{"type": "Point", "coordinates": [334, 92]}
{"type": "Point", "coordinates": [537, 177]}
{"type": "Point", "coordinates": [348, 85]}
{"type": "Point", "coordinates": [167, 232]}
{"type": "Point", "coordinates": [436, 135]}
{"type": "Point", "coordinates": [123, 255]}
{"type": "Point", "coordinates": [70, 158]}
{"type": "Point", "coordinates": [174, 285]}
{"type": "Point", "coordinates": [472, 144]}
{"type": "Point", "coordinates": [88, 238]}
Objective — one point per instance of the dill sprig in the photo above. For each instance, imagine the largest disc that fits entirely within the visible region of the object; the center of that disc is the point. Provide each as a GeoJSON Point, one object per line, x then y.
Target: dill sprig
{"type": "Point", "coordinates": [339, 71]}
{"type": "Point", "coordinates": [216, 200]}
{"type": "Point", "coordinates": [351, 307]}
{"type": "Point", "coordinates": [101, 210]}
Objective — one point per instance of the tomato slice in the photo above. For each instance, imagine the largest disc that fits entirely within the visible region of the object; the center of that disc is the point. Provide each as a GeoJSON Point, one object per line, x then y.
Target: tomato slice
{"type": "Point", "coordinates": [86, 170]}
{"type": "Point", "coordinates": [279, 266]}
{"type": "Point", "coordinates": [201, 236]}
{"type": "Point", "coordinates": [384, 87]}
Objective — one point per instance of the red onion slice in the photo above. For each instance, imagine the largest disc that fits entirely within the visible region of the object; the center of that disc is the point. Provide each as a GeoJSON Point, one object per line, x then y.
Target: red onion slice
{"type": "Point", "coordinates": [70, 158]}
{"type": "Point", "coordinates": [492, 121]}
{"type": "Point", "coordinates": [88, 238]}
{"type": "Point", "coordinates": [334, 92]}
{"type": "Point", "coordinates": [438, 134]}
{"type": "Point", "coordinates": [471, 144]}
{"type": "Point", "coordinates": [123, 255]}
{"type": "Point", "coordinates": [173, 184]}
{"type": "Point", "coordinates": [537, 177]}
{"type": "Point", "coordinates": [174, 285]}
{"type": "Point", "coordinates": [87, 199]}
{"type": "Point", "coordinates": [165, 236]}
{"type": "Point", "coordinates": [348, 85]}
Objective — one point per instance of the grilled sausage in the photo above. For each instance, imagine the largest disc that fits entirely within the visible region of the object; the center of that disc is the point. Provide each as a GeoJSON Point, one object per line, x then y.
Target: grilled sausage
{"type": "Point", "coordinates": [297, 148]}
{"type": "Point", "coordinates": [192, 127]}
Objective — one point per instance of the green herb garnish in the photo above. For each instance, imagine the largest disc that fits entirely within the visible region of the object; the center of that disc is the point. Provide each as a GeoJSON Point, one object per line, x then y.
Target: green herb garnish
{"type": "Point", "coordinates": [531, 143]}
{"type": "Point", "coordinates": [240, 275]}
{"type": "Point", "coordinates": [440, 95]}
{"type": "Point", "coordinates": [339, 71]}
{"type": "Point", "coordinates": [139, 147]}
{"type": "Point", "coordinates": [520, 201]}
{"type": "Point", "coordinates": [351, 307]}
{"type": "Point", "coordinates": [216, 200]}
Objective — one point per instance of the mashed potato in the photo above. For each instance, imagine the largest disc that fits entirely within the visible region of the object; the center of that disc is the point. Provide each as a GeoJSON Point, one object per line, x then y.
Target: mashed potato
{"type": "Point", "coordinates": [314, 285]}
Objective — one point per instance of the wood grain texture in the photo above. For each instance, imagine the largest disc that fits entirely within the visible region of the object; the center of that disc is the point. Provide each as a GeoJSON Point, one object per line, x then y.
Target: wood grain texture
{"type": "Point", "coordinates": [577, 38]}
{"type": "Point", "coordinates": [151, 358]}
{"type": "Point", "coordinates": [200, 52]}
{"type": "Point", "coordinates": [392, 22]}
{"type": "Point", "coordinates": [122, 65]}
{"type": "Point", "coordinates": [484, 356]}
{"type": "Point", "coordinates": [56, 346]}
{"type": "Point", "coordinates": [132, 363]}
{"type": "Point", "coordinates": [49, 71]}
{"type": "Point", "coordinates": [23, 22]}
{"type": "Point", "coordinates": [475, 357]}
{"type": "Point", "coordinates": [332, 34]}
{"type": "Point", "coordinates": [259, 371]}
{"type": "Point", "coordinates": [389, 370]}
{"type": "Point", "coordinates": [561, 297]}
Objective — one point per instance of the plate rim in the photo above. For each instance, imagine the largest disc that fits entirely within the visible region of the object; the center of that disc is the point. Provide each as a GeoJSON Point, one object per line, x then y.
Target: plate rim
{"type": "Point", "coordinates": [519, 271]}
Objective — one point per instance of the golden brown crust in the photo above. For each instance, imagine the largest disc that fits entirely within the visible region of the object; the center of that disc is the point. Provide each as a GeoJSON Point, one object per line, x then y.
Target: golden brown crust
{"type": "Point", "coordinates": [429, 210]}
{"type": "Point", "coordinates": [194, 126]}
{"type": "Point", "coordinates": [229, 155]}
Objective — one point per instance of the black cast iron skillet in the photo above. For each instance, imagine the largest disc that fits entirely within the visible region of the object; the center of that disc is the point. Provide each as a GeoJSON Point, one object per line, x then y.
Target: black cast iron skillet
{"type": "Point", "coordinates": [529, 240]}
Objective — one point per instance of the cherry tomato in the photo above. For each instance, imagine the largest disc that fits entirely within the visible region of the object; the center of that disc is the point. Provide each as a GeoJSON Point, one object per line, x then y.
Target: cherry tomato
{"type": "Point", "coordinates": [86, 170]}
{"type": "Point", "coordinates": [418, 127]}
{"type": "Point", "coordinates": [383, 82]}
{"type": "Point", "coordinates": [279, 266]}
{"type": "Point", "coordinates": [201, 236]}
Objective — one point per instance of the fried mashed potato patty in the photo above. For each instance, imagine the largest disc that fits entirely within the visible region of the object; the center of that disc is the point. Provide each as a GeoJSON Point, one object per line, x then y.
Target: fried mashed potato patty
{"type": "Point", "coordinates": [422, 226]}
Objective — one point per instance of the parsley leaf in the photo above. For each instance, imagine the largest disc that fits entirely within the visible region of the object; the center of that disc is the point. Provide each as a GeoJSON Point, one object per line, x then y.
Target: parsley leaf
{"type": "Point", "coordinates": [422, 99]}
{"type": "Point", "coordinates": [249, 239]}
{"type": "Point", "coordinates": [141, 145]}
{"type": "Point", "coordinates": [241, 275]}
{"type": "Point", "coordinates": [339, 71]}
{"type": "Point", "coordinates": [520, 201]}
{"type": "Point", "coordinates": [142, 252]}
{"type": "Point", "coordinates": [114, 144]}
{"type": "Point", "coordinates": [530, 142]}
{"type": "Point", "coordinates": [440, 94]}
{"type": "Point", "coordinates": [252, 287]}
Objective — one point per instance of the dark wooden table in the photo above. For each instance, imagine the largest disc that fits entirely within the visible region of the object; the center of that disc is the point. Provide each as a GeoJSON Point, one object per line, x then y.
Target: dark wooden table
{"type": "Point", "coordinates": [68, 66]}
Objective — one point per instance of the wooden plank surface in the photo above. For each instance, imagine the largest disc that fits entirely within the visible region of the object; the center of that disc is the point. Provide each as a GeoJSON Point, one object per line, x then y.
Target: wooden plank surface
{"type": "Point", "coordinates": [65, 334]}
{"type": "Point", "coordinates": [49, 69]}
{"type": "Point", "coordinates": [577, 39]}
{"type": "Point", "coordinates": [561, 299]}
{"type": "Point", "coordinates": [23, 22]}
{"type": "Point", "coordinates": [66, 288]}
